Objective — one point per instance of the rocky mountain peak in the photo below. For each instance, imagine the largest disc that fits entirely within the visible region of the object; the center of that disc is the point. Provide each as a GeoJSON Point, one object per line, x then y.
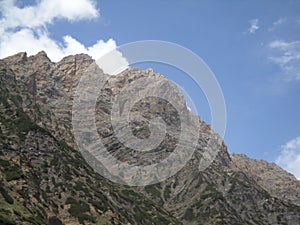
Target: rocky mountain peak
{"type": "Point", "coordinates": [40, 55]}
{"type": "Point", "coordinates": [19, 57]}
{"type": "Point", "coordinates": [45, 180]}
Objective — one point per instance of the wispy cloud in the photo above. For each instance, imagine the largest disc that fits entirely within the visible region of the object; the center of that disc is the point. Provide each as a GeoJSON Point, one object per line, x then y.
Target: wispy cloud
{"type": "Point", "coordinates": [289, 157]}
{"type": "Point", "coordinates": [25, 29]}
{"type": "Point", "coordinates": [277, 23]}
{"type": "Point", "coordinates": [253, 26]}
{"type": "Point", "coordinates": [287, 56]}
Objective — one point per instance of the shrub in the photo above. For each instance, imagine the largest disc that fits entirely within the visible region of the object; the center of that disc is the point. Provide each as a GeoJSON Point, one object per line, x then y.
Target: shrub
{"type": "Point", "coordinates": [189, 214]}
{"type": "Point", "coordinates": [6, 196]}
{"type": "Point", "coordinates": [4, 163]}
{"type": "Point", "coordinates": [6, 221]}
{"type": "Point", "coordinates": [13, 173]}
{"type": "Point", "coordinates": [78, 210]}
{"type": "Point", "coordinates": [54, 221]}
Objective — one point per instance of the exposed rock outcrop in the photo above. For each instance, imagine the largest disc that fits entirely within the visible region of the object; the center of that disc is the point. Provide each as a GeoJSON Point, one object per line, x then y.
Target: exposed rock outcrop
{"type": "Point", "coordinates": [271, 177]}
{"type": "Point", "coordinates": [45, 180]}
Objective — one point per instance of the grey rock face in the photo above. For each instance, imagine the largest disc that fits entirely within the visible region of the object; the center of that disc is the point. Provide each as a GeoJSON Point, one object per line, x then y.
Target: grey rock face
{"type": "Point", "coordinates": [42, 93]}
{"type": "Point", "coordinates": [271, 177]}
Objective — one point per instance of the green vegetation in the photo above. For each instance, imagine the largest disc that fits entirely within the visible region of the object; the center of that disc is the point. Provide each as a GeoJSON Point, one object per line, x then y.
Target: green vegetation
{"type": "Point", "coordinates": [151, 189]}
{"type": "Point", "coordinates": [6, 196]}
{"type": "Point", "coordinates": [4, 163]}
{"type": "Point", "coordinates": [79, 209]}
{"type": "Point", "coordinates": [55, 221]}
{"type": "Point", "coordinates": [167, 191]}
{"type": "Point", "coordinates": [13, 173]}
{"type": "Point", "coordinates": [80, 186]}
{"type": "Point", "coordinates": [9, 213]}
{"type": "Point", "coordinates": [6, 221]}
{"type": "Point", "coordinates": [189, 214]}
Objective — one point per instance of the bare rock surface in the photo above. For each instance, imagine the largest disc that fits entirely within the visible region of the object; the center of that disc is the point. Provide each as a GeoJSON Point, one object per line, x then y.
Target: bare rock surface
{"type": "Point", "coordinates": [271, 177]}
{"type": "Point", "coordinates": [45, 180]}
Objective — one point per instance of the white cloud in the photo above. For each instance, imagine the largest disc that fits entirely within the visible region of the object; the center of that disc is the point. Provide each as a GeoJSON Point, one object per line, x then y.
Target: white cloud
{"type": "Point", "coordinates": [112, 63]}
{"type": "Point", "coordinates": [25, 29]}
{"type": "Point", "coordinates": [277, 23]}
{"type": "Point", "coordinates": [45, 11]}
{"type": "Point", "coordinates": [253, 26]}
{"type": "Point", "coordinates": [287, 56]}
{"type": "Point", "coordinates": [289, 157]}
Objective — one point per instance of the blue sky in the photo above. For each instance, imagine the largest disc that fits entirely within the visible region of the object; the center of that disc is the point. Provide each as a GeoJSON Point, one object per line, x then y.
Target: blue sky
{"type": "Point", "coordinates": [253, 48]}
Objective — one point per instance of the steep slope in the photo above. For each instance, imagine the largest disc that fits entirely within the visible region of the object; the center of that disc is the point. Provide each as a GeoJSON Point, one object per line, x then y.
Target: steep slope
{"type": "Point", "coordinates": [44, 181]}
{"type": "Point", "coordinates": [218, 197]}
{"type": "Point", "coordinates": [271, 177]}
{"type": "Point", "coordinates": [44, 91]}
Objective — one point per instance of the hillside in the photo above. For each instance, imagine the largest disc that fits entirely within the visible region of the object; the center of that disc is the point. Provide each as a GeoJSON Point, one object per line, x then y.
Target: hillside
{"type": "Point", "coordinates": [271, 177]}
{"type": "Point", "coordinates": [45, 180]}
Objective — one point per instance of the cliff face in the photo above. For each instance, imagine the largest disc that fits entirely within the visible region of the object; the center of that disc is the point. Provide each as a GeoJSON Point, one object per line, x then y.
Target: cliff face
{"type": "Point", "coordinates": [45, 180]}
{"type": "Point", "coordinates": [271, 177]}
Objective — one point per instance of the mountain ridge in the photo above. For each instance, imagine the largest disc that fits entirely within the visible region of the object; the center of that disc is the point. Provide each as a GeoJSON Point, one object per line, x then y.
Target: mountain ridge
{"type": "Point", "coordinates": [270, 176]}
{"type": "Point", "coordinates": [43, 91]}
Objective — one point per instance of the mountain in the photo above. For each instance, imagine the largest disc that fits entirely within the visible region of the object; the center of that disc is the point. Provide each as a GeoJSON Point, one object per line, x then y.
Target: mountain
{"type": "Point", "coordinates": [45, 180]}
{"type": "Point", "coordinates": [271, 177]}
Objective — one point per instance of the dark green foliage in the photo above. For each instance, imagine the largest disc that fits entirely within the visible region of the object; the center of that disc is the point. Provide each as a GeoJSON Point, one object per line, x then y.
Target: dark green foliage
{"type": "Point", "coordinates": [160, 220]}
{"type": "Point", "coordinates": [4, 163]}
{"type": "Point", "coordinates": [13, 173]}
{"type": "Point", "coordinates": [32, 220]}
{"type": "Point", "coordinates": [99, 205]}
{"type": "Point", "coordinates": [80, 186]}
{"type": "Point", "coordinates": [103, 200]}
{"type": "Point", "coordinates": [6, 196]}
{"type": "Point", "coordinates": [64, 145]}
{"type": "Point", "coordinates": [129, 193]}
{"type": "Point", "coordinates": [79, 209]}
{"type": "Point", "coordinates": [6, 221]}
{"type": "Point", "coordinates": [189, 214]}
{"type": "Point", "coordinates": [23, 122]}
{"type": "Point", "coordinates": [167, 191]}
{"type": "Point", "coordinates": [152, 190]}
{"type": "Point", "coordinates": [54, 221]}
{"type": "Point", "coordinates": [70, 200]}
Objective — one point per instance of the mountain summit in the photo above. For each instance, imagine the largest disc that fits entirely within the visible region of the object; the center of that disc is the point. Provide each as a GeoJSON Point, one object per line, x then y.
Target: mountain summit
{"type": "Point", "coordinates": [46, 180]}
